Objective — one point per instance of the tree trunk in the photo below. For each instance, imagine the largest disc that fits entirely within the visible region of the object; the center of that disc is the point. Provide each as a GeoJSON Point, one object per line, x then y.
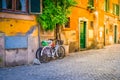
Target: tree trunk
{"type": "Point", "coordinates": [57, 32]}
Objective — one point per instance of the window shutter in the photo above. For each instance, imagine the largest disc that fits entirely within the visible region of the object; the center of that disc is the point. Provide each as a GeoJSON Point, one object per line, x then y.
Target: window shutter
{"type": "Point", "coordinates": [35, 6]}
{"type": "Point", "coordinates": [105, 5]}
{"type": "Point", "coordinates": [108, 4]}
{"type": "Point", "coordinates": [0, 5]}
{"type": "Point", "coordinates": [114, 10]}
{"type": "Point", "coordinates": [117, 10]}
{"type": "Point", "coordinates": [91, 2]}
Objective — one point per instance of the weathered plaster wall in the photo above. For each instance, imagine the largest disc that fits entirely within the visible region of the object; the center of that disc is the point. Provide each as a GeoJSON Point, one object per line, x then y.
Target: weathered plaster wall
{"type": "Point", "coordinates": [32, 47]}
{"type": "Point", "coordinates": [21, 56]}
{"type": "Point", "coordinates": [79, 12]}
{"type": "Point", "coordinates": [2, 53]}
{"type": "Point", "coordinates": [99, 21]}
{"type": "Point", "coordinates": [18, 25]}
{"type": "Point", "coordinates": [12, 26]}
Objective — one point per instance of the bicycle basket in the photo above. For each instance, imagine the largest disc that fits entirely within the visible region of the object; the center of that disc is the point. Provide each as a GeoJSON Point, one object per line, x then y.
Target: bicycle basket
{"type": "Point", "coordinates": [60, 42]}
{"type": "Point", "coordinates": [44, 43]}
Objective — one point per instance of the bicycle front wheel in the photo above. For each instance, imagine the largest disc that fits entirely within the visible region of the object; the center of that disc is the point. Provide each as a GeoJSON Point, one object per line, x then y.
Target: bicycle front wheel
{"type": "Point", "coordinates": [46, 54]}
{"type": "Point", "coordinates": [61, 52]}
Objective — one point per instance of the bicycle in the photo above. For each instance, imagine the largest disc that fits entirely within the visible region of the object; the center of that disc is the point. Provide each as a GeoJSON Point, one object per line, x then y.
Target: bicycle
{"type": "Point", "coordinates": [51, 51]}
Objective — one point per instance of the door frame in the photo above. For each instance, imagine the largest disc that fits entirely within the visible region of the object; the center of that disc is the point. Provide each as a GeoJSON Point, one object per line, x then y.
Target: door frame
{"type": "Point", "coordinates": [86, 42]}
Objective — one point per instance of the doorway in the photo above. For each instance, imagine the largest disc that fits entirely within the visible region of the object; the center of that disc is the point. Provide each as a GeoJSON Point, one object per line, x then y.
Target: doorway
{"type": "Point", "coordinates": [82, 34]}
{"type": "Point", "coordinates": [115, 34]}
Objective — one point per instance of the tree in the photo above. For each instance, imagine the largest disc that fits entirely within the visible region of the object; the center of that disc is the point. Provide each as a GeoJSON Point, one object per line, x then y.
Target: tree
{"type": "Point", "coordinates": [55, 14]}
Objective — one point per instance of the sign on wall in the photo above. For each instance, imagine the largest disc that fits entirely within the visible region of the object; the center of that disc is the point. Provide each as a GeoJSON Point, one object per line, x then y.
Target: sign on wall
{"type": "Point", "coordinates": [13, 42]}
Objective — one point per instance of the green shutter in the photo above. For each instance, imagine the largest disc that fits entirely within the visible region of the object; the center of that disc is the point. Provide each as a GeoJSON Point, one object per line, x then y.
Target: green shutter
{"type": "Point", "coordinates": [91, 3]}
{"type": "Point", "coordinates": [34, 6]}
{"type": "Point", "coordinates": [114, 10]}
{"type": "Point", "coordinates": [117, 10]}
{"type": "Point", "coordinates": [0, 5]}
{"type": "Point", "coordinates": [106, 5]}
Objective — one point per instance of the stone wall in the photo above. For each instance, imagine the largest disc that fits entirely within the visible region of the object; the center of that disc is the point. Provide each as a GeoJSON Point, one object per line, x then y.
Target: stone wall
{"type": "Point", "coordinates": [1, 50]}
{"type": "Point", "coordinates": [32, 47]}
{"type": "Point", "coordinates": [20, 56]}
{"type": "Point", "coordinates": [16, 57]}
{"type": "Point", "coordinates": [73, 47]}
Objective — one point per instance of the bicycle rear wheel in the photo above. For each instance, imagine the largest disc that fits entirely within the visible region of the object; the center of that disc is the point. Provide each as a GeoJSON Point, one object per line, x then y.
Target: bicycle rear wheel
{"type": "Point", "coordinates": [46, 54]}
{"type": "Point", "coordinates": [38, 53]}
{"type": "Point", "coordinates": [61, 52]}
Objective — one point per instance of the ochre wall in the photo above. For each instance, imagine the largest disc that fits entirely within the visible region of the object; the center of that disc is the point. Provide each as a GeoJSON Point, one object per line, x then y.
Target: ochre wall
{"type": "Point", "coordinates": [99, 19]}
{"type": "Point", "coordinates": [18, 25]}
{"type": "Point", "coordinates": [12, 24]}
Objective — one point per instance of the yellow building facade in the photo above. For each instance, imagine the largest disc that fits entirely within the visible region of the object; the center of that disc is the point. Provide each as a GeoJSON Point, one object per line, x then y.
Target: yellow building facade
{"type": "Point", "coordinates": [18, 31]}
{"type": "Point", "coordinates": [20, 34]}
{"type": "Point", "coordinates": [13, 24]}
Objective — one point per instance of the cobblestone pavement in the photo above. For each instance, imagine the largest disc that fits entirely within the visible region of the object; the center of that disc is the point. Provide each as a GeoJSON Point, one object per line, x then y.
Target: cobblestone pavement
{"type": "Point", "coordinates": [98, 64]}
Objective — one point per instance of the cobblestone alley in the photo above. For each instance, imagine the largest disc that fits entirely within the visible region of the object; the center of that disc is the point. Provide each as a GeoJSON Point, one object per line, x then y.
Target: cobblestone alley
{"type": "Point", "coordinates": [95, 64]}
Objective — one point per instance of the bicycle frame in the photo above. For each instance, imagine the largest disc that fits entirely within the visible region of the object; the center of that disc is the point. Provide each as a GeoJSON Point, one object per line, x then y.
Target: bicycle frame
{"type": "Point", "coordinates": [53, 49]}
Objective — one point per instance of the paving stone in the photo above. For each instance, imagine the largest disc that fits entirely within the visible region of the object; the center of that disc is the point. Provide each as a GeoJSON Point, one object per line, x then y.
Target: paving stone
{"type": "Point", "coordinates": [98, 64]}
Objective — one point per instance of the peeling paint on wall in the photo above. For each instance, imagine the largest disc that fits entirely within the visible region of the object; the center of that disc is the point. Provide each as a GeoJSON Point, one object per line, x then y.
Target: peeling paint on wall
{"type": "Point", "coordinates": [13, 27]}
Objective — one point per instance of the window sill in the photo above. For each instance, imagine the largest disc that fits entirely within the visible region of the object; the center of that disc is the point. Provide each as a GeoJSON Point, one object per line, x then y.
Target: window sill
{"type": "Point", "coordinates": [17, 16]}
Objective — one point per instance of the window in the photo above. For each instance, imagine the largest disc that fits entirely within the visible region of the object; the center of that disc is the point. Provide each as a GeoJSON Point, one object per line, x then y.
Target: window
{"type": "Point", "coordinates": [0, 5]}
{"type": "Point", "coordinates": [21, 6]}
{"type": "Point", "coordinates": [106, 5]}
{"type": "Point", "coordinates": [7, 4]}
{"type": "Point", "coordinates": [35, 6]}
{"type": "Point", "coordinates": [91, 24]}
{"type": "Point", "coordinates": [91, 3]}
{"type": "Point", "coordinates": [67, 25]}
{"type": "Point", "coordinates": [14, 5]}
{"type": "Point", "coordinates": [116, 9]}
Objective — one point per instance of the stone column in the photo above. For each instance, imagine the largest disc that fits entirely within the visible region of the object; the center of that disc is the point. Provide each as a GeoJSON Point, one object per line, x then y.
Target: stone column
{"type": "Point", "coordinates": [32, 47]}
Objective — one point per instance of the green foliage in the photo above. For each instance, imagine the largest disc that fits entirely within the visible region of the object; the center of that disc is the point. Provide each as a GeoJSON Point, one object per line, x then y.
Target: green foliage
{"type": "Point", "coordinates": [54, 12]}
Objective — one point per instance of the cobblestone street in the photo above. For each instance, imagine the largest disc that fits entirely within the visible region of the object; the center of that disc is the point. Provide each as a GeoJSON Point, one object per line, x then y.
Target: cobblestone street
{"type": "Point", "coordinates": [95, 64]}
